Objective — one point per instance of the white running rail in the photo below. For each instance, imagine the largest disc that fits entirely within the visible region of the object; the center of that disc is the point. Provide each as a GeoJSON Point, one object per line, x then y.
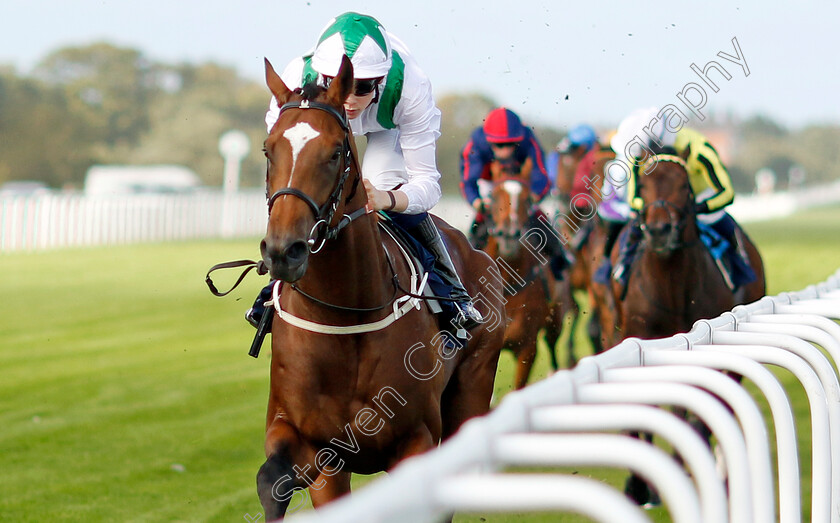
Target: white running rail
{"type": "Point", "coordinates": [571, 419]}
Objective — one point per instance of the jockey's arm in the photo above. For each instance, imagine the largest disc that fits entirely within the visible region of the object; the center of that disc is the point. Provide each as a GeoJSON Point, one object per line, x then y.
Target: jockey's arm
{"type": "Point", "coordinates": [422, 190]}
{"type": "Point", "coordinates": [707, 164]}
{"type": "Point", "coordinates": [540, 184]}
{"type": "Point", "coordinates": [419, 126]}
{"type": "Point", "coordinates": [472, 164]}
{"type": "Point", "coordinates": [394, 200]}
{"type": "Point", "coordinates": [633, 199]}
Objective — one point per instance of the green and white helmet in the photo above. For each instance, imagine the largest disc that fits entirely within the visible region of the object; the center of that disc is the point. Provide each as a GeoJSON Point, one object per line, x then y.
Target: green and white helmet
{"type": "Point", "coordinates": [362, 38]}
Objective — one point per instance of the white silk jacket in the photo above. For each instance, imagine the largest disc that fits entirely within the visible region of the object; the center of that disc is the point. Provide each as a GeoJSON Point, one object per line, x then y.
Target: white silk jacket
{"type": "Point", "coordinates": [405, 110]}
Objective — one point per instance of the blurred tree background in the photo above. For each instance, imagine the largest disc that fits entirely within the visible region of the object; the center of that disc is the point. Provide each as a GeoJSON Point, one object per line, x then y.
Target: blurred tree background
{"type": "Point", "coordinates": [104, 104]}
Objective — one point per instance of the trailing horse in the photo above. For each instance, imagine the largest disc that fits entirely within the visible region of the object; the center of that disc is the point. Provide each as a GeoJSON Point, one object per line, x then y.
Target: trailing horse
{"type": "Point", "coordinates": [362, 374]}
{"type": "Point", "coordinates": [674, 279]}
{"type": "Point", "coordinates": [533, 295]}
{"type": "Point", "coordinates": [586, 232]}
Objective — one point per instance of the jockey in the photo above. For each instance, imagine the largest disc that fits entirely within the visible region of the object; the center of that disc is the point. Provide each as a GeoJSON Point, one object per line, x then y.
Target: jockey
{"type": "Point", "coordinates": [392, 105]}
{"type": "Point", "coordinates": [504, 139]}
{"type": "Point", "coordinates": [584, 147]}
{"type": "Point", "coordinates": [581, 145]}
{"type": "Point", "coordinates": [707, 176]}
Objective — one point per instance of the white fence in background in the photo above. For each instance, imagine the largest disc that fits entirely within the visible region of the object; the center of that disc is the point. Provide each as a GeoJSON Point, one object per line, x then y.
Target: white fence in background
{"type": "Point", "coordinates": [74, 220]}
{"type": "Point", "coordinates": [566, 420]}
{"type": "Point", "coordinates": [55, 220]}
{"type": "Point", "coordinates": [756, 207]}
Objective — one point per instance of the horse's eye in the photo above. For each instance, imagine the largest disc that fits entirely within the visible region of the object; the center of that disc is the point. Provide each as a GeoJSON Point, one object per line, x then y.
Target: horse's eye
{"type": "Point", "coordinates": [336, 155]}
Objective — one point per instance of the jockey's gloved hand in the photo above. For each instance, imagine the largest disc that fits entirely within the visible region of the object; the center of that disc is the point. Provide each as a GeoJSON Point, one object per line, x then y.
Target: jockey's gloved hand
{"type": "Point", "coordinates": [478, 205]}
{"type": "Point", "coordinates": [635, 230]}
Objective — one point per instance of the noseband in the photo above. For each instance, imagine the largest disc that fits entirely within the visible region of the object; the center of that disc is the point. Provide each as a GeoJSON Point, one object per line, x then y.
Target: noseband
{"type": "Point", "coordinates": [322, 231]}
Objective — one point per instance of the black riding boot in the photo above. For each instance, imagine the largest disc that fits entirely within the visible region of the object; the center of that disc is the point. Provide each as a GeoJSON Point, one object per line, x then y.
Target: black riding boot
{"type": "Point", "coordinates": [602, 274]}
{"type": "Point", "coordinates": [257, 310]}
{"type": "Point", "coordinates": [427, 232]}
{"type": "Point", "coordinates": [627, 252]}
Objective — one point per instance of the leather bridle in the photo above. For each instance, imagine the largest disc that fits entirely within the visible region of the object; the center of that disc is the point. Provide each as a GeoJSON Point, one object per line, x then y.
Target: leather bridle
{"type": "Point", "coordinates": [324, 214]}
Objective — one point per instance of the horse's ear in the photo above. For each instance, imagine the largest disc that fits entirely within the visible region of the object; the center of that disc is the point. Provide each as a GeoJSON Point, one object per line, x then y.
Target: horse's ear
{"type": "Point", "coordinates": [275, 84]}
{"type": "Point", "coordinates": [342, 85]}
{"type": "Point", "coordinates": [686, 152]}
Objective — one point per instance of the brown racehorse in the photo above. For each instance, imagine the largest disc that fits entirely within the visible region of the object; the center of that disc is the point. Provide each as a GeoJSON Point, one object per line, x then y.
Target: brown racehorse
{"type": "Point", "coordinates": [587, 233]}
{"type": "Point", "coordinates": [349, 392]}
{"type": "Point", "coordinates": [674, 280]}
{"type": "Point", "coordinates": [532, 293]}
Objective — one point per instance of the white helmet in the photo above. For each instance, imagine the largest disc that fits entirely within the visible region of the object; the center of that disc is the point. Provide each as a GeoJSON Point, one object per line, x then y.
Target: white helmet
{"type": "Point", "coordinates": [633, 126]}
{"type": "Point", "coordinates": [362, 38]}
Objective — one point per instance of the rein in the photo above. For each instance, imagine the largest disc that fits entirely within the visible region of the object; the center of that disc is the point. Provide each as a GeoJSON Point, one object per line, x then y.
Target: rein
{"type": "Point", "coordinates": [395, 280]}
{"type": "Point", "coordinates": [400, 306]}
{"type": "Point", "coordinates": [248, 264]}
{"type": "Point", "coordinates": [322, 231]}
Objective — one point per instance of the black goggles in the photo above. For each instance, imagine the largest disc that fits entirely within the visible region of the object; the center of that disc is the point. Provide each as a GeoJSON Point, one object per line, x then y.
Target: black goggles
{"type": "Point", "coordinates": [361, 86]}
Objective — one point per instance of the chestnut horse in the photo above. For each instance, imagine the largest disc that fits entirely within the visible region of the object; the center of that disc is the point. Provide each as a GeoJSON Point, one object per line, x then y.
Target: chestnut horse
{"type": "Point", "coordinates": [355, 388]}
{"type": "Point", "coordinates": [586, 232]}
{"type": "Point", "coordinates": [533, 294]}
{"type": "Point", "coordinates": [674, 280]}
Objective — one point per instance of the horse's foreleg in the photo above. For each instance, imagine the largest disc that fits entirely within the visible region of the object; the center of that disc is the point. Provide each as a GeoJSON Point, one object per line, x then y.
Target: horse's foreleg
{"type": "Point", "coordinates": [571, 327]}
{"type": "Point", "coordinates": [525, 357]}
{"type": "Point", "coordinates": [593, 330]}
{"type": "Point", "coordinates": [636, 487]}
{"type": "Point", "coordinates": [609, 314]}
{"type": "Point", "coordinates": [284, 472]}
{"type": "Point", "coordinates": [553, 327]}
{"type": "Point", "coordinates": [470, 388]}
{"type": "Point", "coordinates": [563, 304]}
{"type": "Point", "coordinates": [332, 486]}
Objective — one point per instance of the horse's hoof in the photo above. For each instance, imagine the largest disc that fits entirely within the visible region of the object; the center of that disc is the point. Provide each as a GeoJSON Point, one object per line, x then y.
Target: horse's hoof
{"type": "Point", "coordinates": [638, 490]}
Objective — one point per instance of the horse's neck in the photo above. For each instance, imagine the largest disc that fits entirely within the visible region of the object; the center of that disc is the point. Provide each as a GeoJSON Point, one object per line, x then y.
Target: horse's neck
{"type": "Point", "coordinates": [523, 262]}
{"type": "Point", "coordinates": [351, 270]}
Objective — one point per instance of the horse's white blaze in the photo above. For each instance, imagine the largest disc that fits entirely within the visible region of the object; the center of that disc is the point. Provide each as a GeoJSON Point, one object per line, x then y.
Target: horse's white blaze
{"type": "Point", "coordinates": [513, 189]}
{"type": "Point", "coordinates": [298, 137]}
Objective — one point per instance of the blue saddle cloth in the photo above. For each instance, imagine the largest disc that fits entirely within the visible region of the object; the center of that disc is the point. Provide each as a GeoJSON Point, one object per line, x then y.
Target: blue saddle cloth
{"type": "Point", "coordinates": [738, 268]}
{"type": "Point", "coordinates": [714, 242]}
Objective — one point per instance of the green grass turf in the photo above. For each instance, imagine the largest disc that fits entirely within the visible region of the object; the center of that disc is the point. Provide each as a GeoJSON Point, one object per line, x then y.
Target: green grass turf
{"type": "Point", "coordinates": [126, 393]}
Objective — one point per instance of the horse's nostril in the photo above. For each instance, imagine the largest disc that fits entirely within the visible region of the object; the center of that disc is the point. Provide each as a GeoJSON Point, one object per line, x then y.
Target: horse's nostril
{"type": "Point", "coordinates": [296, 252]}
